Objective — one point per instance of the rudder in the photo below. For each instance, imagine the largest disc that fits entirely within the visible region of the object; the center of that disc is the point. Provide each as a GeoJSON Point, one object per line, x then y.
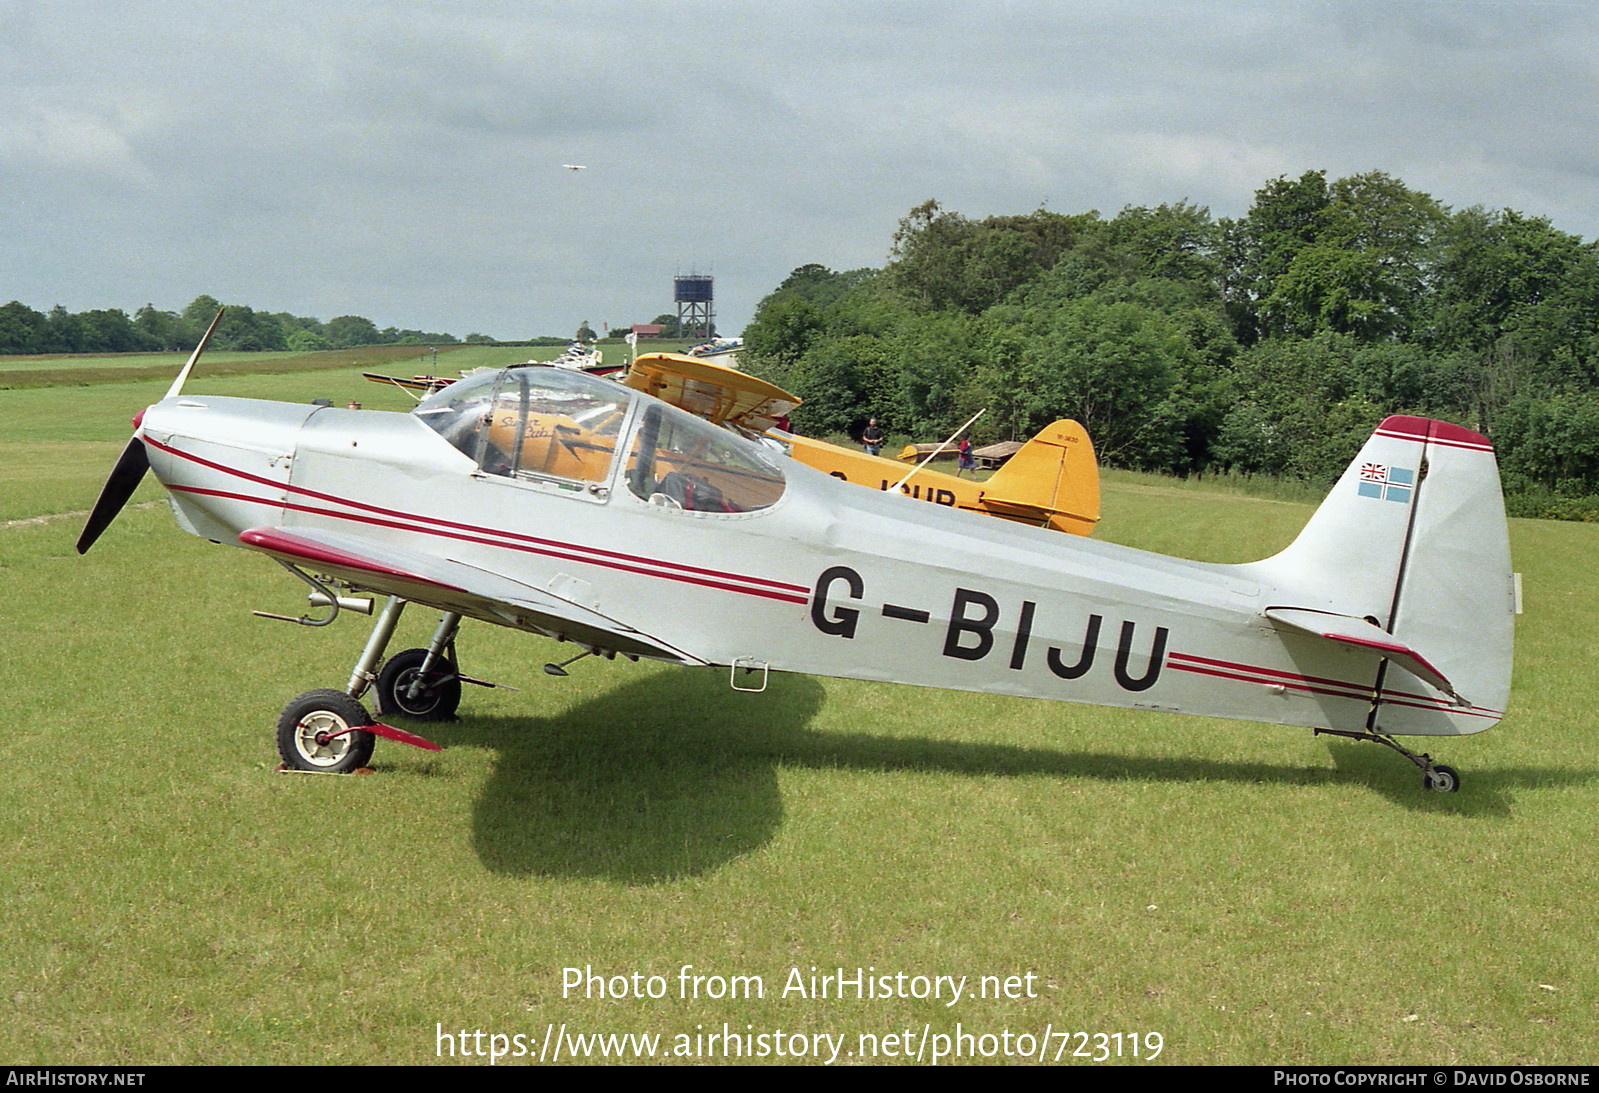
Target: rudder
{"type": "Point", "coordinates": [1054, 478]}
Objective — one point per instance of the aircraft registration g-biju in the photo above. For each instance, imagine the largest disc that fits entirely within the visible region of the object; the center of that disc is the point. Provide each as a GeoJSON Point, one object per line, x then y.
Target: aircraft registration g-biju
{"type": "Point", "coordinates": [565, 505]}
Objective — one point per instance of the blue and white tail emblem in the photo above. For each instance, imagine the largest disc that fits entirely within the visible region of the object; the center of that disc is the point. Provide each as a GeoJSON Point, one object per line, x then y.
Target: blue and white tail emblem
{"type": "Point", "coordinates": [1386, 483]}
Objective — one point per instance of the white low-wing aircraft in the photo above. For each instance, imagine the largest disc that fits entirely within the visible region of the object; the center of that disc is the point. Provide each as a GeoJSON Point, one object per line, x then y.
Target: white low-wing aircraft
{"type": "Point", "coordinates": [555, 502]}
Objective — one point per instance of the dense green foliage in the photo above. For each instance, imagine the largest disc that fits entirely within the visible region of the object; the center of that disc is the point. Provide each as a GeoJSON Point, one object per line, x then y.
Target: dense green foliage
{"type": "Point", "coordinates": [24, 330]}
{"type": "Point", "coordinates": [1268, 344]}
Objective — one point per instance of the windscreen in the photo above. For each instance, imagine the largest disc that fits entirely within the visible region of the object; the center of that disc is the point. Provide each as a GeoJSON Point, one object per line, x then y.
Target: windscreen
{"type": "Point", "coordinates": [679, 461]}
{"type": "Point", "coordinates": [531, 422]}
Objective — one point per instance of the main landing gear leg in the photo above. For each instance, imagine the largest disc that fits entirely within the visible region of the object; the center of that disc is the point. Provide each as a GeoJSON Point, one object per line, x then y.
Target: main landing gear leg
{"type": "Point", "coordinates": [1434, 776]}
{"type": "Point", "coordinates": [365, 673]}
{"type": "Point", "coordinates": [424, 684]}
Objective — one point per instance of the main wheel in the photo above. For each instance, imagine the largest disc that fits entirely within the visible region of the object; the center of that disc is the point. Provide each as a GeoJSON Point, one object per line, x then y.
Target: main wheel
{"type": "Point", "coordinates": [436, 700]}
{"type": "Point", "coordinates": [1441, 778]}
{"type": "Point", "coordinates": [321, 731]}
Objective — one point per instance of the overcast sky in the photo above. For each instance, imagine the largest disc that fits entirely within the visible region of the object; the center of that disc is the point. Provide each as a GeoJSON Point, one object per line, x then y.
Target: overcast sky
{"type": "Point", "coordinates": [403, 161]}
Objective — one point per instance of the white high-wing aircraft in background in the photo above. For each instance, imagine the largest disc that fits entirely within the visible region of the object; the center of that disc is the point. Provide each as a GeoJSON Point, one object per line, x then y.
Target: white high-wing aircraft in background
{"type": "Point", "coordinates": [562, 504]}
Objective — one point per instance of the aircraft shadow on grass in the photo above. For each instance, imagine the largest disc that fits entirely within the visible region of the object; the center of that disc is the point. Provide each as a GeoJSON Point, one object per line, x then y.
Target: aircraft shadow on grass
{"type": "Point", "coordinates": [676, 775]}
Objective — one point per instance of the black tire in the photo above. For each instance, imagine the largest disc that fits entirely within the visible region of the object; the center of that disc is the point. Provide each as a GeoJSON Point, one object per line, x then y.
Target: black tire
{"type": "Point", "coordinates": [439, 698]}
{"type": "Point", "coordinates": [1442, 779]}
{"type": "Point", "coordinates": [312, 733]}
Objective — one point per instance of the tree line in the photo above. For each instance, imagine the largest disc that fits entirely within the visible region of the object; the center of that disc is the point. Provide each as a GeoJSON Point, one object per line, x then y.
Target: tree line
{"type": "Point", "coordinates": [1271, 343]}
{"type": "Point", "coordinates": [25, 331]}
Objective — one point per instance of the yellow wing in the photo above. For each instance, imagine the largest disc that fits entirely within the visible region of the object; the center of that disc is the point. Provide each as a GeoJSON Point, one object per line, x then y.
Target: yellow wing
{"type": "Point", "coordinates": [721, 395]}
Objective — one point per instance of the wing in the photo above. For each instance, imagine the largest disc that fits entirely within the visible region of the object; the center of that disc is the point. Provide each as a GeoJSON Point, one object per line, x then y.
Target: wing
{"type": "Point", "coordinates": [415, 383]}
{"type": "Point", "coordinates": [713, 391]}
{"type": "Point", "coordinates": [451, 585]}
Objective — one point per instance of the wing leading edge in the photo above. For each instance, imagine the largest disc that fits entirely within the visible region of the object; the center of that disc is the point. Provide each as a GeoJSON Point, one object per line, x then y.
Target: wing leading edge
{"type": "Point", "coordinates": [451, 585]}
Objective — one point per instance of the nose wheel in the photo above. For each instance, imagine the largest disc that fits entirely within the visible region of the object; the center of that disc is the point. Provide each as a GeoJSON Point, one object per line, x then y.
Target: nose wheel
{"type": "Point", "coordinates": [321, 731]}
{"type": "Point", "coordinates": [330, 732]}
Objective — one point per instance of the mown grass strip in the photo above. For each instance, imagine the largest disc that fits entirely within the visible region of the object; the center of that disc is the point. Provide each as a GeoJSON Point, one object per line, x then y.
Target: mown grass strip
{"type": "Point", "coordinates": [66, 370]}
{"type": "Point", "coordinates": [1254, 894]}
{"type": "Point", "coordinates": [167, 365]}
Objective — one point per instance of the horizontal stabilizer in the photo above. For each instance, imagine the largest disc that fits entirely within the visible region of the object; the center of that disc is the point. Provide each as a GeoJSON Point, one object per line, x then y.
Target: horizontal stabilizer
{"type": "Point", "coordinates": [1361, 634]}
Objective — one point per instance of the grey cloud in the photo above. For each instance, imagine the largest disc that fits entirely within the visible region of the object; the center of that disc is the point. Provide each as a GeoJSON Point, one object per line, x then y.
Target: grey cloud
{"type": "Point", "coordinates": [402, 161]}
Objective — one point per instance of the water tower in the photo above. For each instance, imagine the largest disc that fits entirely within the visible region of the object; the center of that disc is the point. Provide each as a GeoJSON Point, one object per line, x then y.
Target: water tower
{"type": "Point", "coordinates": [695, 318]}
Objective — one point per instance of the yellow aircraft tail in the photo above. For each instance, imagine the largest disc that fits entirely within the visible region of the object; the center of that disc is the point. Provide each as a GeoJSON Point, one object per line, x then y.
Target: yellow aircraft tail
{"type": "Point", "coordinates": [1053, 481]}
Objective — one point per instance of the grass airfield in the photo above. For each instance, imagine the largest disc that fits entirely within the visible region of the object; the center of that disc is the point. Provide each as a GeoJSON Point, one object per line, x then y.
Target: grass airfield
{"type": "Point", "coordinates": [1253, 895]}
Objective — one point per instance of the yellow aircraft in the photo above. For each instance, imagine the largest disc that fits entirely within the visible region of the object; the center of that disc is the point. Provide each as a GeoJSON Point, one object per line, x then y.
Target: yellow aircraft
{"type": "Point", "coordinates": [1052, 482]}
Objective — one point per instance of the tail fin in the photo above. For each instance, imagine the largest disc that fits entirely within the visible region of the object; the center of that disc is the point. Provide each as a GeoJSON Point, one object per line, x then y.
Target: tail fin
{"type": "Point", "coordinates": [1053, 479]}
{"type": "Point", "coordinates": [1409, 557]}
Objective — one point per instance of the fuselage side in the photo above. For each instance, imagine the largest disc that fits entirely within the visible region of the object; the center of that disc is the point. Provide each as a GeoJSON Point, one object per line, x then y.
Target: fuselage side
{"type": "Point", "coordinates": [828, 580]}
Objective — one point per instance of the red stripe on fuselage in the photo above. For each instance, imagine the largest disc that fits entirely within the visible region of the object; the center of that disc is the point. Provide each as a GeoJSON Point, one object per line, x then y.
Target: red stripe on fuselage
{"type": "Point", "coordinates": [401, 521]}
{"type": "Point", "coordinates": [1281, 676]}
{"type": "Point", "coordinates": [1249, 673]}
{"type": "Point", "coordinates": [1267, 677]}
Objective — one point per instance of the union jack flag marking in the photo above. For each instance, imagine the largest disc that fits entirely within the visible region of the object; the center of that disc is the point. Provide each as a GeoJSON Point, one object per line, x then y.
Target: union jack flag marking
{"type": "Point", "coordinates": [1380, 481]}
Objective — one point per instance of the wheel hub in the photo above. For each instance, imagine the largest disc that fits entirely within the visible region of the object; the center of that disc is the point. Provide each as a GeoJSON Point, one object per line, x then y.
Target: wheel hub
{"type": "Point", "coordinates": [324, 738]}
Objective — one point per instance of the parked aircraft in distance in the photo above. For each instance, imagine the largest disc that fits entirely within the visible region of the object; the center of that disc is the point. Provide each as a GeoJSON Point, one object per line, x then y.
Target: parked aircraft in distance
{"type": "Point", "coordinates": [1053, 481]}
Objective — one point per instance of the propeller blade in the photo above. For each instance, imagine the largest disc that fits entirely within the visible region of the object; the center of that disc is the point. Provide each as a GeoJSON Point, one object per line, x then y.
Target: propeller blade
{"type": "Point", "coordinates": [177, 384]}
{"type": "Point", "coordinates": [119, 486]}
{"type": "Point", "coordinates": [133, 462]}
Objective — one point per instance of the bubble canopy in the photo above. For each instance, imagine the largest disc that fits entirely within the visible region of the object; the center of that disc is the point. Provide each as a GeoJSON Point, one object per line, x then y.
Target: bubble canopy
{"type": "Point", "coordinates": [542, 424]}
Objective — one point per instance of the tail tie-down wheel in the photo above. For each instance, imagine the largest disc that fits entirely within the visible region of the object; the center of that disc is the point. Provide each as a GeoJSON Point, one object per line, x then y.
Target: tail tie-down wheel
{"type": "Point", "coordinates": [1440, 778]}
{"type": "Point", "coordinates": [1434, 776]}
{"type": "Point", "coordinates": [402, 688]}
{"type": "Point", "coordinates": [322, 731]}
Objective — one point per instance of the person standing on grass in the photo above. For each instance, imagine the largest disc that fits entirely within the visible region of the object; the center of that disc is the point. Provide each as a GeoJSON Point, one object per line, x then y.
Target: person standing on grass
{"type": "Point", "coordinates": [872, 437]}
{"type": "Point", "coordinates": [966, 462]}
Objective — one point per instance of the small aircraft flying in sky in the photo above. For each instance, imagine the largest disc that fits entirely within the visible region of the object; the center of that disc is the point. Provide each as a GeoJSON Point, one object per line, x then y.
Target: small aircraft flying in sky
{"type": "Point", "coordinates": [562, 504]}
{"type": "Point", "coordinates": [576, 166]}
